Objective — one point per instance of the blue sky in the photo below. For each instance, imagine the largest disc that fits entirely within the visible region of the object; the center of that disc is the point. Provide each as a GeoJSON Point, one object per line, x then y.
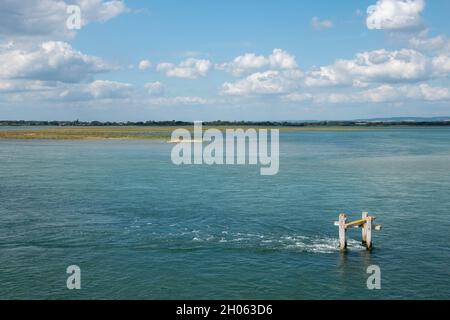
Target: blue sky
{"type": "Point", "coordinates": [230, 60]}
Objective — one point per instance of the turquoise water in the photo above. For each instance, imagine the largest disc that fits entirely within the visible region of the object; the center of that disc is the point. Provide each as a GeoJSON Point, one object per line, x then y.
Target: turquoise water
{"type": "Point", "coordinates": [140, 227]}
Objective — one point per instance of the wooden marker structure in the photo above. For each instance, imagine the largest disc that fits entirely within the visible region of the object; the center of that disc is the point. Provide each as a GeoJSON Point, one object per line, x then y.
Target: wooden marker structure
{"type": "Point", "coordinates": [366, 224]}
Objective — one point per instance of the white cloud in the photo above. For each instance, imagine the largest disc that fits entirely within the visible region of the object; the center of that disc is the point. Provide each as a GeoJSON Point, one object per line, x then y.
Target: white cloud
{"type": "Point", "coordinates": [112, 90]}
{"type": "Point", "coordinates": [429, 93]}
{"type": "Point", "coordinates": [99, 10]}
{"type": "Point", "coordinates": [430, 44]}
{"type": "Point", "coordinates": [318, 24]}
{"type": "Point", "coordinates": [382, 94]}
{"type": "Point", "coordinates": [441, 65]}
{"type": "Point", "coordinates": [96, 90]}
{"type": "Point", "coordinates": [144, 65]}
{"type": "Point", "coordinates": [15, 86]}
{"type": "Point", "coordinates": [189, 69]}
{"type": "Point", "coordinates": [179, 100]}
{"type": "Point", "coordinates": [33, 91]}
{"type": "Point", "coordinates": [279, 59]}
{"type": "Point", "coordinates": [298, 97]}
{"type": "Point", "coordinates": [318, 98]}
{"type": "Point", "coordinates": [389, 93]}
{"type": "Point", "coordinates": [438, 46]}
{"type": "Point", "coordinates": [51, 61]}
{"type": "Point", "coordinates": [242, 64]}
{"type": "Point", "coordinates": [269, 82]}
{"type": "Point", "coordinates": [46, 19]}
{"type": "Point", "coordinates": [89, 94]}
{"type": "Point", "coordinates": [155, 88]}
{"type": "Point", "coordinates": [395, 14]}
{"type": "Point", "coordinates": [106, 88]}
{"type": "Point", "coordinates": [375, 66]}
{"type": "Point", "coordinates": [379, 67]}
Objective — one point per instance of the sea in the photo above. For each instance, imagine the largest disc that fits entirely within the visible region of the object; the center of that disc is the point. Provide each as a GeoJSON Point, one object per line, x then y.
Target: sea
{"type": "Point", "coordinates": [140, 227]}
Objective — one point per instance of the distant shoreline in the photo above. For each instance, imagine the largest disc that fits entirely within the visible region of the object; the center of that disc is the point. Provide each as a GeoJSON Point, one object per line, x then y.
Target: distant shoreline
{"type": "Point", "coordinates": [163, 133]}
{"type": "Point", "coordinates": [332, 123]}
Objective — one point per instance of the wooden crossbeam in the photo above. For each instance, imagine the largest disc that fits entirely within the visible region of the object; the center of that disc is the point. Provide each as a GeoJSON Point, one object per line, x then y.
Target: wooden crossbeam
{"type": "Point", "coordinates": [356, 224]}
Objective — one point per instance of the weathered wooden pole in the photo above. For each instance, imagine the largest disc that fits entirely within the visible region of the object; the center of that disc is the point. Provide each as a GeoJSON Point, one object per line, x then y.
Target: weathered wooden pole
{"type": "Point", "coordinates": [342, 232]}
{"type": "Point", "coordinates": [363, 229]}
{"type": "Point", "coordinates": [368, 227]}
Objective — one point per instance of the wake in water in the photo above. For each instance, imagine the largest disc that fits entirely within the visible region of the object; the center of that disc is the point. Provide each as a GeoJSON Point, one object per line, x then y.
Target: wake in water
{"type": "Point", "coordinates": [273, 242]}
{"type": "Point", "coordinates": [187, 239]}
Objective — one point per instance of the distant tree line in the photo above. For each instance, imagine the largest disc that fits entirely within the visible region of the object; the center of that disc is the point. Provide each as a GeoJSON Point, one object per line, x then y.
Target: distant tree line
{"type": "Point", "coordinates": [77, 123]}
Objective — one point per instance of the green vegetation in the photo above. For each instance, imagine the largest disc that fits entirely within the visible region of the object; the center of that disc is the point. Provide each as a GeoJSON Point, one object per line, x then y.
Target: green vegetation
{"type": "Point", "coordinates": [90, 133]}
{"type": "Point", "coordinates": [145, 132]}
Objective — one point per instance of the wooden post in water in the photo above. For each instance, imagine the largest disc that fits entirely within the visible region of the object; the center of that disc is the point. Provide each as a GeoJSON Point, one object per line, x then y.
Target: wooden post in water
{"type": "Point", "coordinates": [342, 232]}
{"type": "Point", "coordinates": [368, 227]}
{"type": "Point", "coordinates": [366, 223]}
{"type": "Point", "coordinates": [364, 229]}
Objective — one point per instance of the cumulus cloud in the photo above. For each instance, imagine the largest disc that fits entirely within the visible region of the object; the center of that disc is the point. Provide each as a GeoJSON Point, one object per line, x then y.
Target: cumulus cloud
{"type": "Point", "coordinates": [108, 89]}
{"type": "Point", "coordinates": [155, 88]}
{"type": "Point", "coordinates": [189, 69]}
{"type": "Point", "coordinates": [99, 10]}
{"type": "Point", "coordinates": [106, 92]}
{"type": "Point", "coordinates": [429, 93]}
{"type": "Point", "coordinates": [269, 82]}
{"type": "Point", "coordinates": [441, 65]}
{"type": "Point", "coordinates": [373, 76]}
{"type": "Point", "coordinates": [374, 66]}
{"type": "Point", "coordinates": [47, 18]}
{"type": "Point", "coordinates": [279, 59]}
{"type": "Point", "coordinates": [318, 24]}
{"type": "Point", "coordinates": [282, 60]}
{"type": "Point", "coordinates": [17, 86]}
{"type": "Point", "coordinates": [319, 98]}
{"type": "Point", "coordinates": [37, 62]}
{"type": "Point", "coordinates": [389, 93]}
{"type": "Point", "coordinates": [33, 91]}
{"type": "Point", "coordinates": [242, 64]}
{"type": "Point", "coordinates": [96, 90]}
{"type": "Point", "coordinates": [434, 45]}
{"type": "Point", "coordinates": [395, 15]}
{"type": "Point", "coordinates": [51, 61]}
{"type": "Point", "coordinates": [385, 93]}
{"type": "Point", "coordinates": [144, 65]}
